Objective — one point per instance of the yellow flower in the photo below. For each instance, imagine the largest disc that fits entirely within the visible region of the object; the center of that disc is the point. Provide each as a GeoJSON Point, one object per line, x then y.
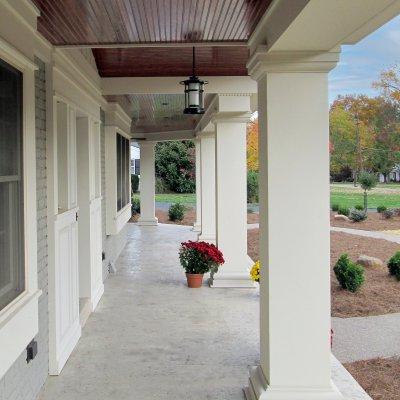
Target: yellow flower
{"type": "Point", "coordinates": [255, 272]}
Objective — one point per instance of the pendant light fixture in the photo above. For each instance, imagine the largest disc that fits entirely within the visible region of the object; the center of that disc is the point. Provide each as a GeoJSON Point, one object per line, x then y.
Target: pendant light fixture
{"type": "Point", "coordinates": [194, 101]}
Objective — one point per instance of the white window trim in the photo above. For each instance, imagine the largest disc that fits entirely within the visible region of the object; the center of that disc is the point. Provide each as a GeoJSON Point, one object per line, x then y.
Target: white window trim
{"type": "Point", "coordinates": [115, 220]}
{"type": "Point", "coordinates": [19, 319]}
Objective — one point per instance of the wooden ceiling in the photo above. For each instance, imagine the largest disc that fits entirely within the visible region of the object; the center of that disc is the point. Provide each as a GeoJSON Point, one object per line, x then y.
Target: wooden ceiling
{"type": "Point", "coordinates": [172, 61]}
{"type": "Point", "coordinates": [157, 112]}
{"type": "Point", "coordinates": [95, 22]}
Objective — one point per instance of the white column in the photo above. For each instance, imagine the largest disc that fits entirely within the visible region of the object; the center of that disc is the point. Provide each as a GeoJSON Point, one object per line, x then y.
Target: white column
{"type": "Point", "coordinates": [147, 184]}
{"type": "Point", "coordinates": [294, 227]}
{"type": "Point", "coordinates": [207, 171]}
{"type": "Point", "coordinates": [231, 204]}
{"type": "Point", "coordinates": [197, 224]}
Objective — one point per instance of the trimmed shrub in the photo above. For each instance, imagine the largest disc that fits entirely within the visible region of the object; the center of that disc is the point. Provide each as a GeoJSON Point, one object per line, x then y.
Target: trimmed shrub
{"type": "Point", "coordinates": [161, 186]}
{"type": "Point", "coordinates": [357, 215]}
{"type": "Point", "coordinates": [359, 207]}
{"type": "Point", "coordinates": [388, 214]}
{"type": "Point", "coordinates": [252, 187]}
{"type": "Point", "coordinates": [335, 207]}
{"type": "Point", "coordinates": [176, 212]}
{"type": "Point", "coordinates": [134, 183]}
{"type": "Point", "coordinates": [394, 265]}
{"type": "Point", "coordinates": [343, 211]}
{"type": "Point", "coordinates": [135, 207]}
{"type": "Point", "coordinates": [381, 209]}
{"type": "Point", "coordinates": [349, 275]}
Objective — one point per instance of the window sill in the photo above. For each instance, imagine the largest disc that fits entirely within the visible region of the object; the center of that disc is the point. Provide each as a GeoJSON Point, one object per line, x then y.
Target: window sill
{"type": "Point", "coordinates": [120, 220]}
{"type": "Point", "coordinates": [18, 326]}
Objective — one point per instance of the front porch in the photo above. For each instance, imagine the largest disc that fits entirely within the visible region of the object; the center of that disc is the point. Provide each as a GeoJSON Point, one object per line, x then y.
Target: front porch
{"type": "Point", "coordinates": [153, 338]}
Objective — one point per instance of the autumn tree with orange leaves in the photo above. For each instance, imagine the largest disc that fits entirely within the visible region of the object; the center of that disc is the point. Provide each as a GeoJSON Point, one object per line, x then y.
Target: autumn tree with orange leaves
{"type": "Point", "coordinates": [252, 146]}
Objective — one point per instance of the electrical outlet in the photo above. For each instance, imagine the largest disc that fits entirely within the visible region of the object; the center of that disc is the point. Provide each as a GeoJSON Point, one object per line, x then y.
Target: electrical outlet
{"type": "Point", "coordinates": [31, 351]}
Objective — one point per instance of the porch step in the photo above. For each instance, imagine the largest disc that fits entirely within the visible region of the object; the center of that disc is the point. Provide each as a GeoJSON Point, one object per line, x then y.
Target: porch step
{"type": "Point", "coordinates": [84, 310]}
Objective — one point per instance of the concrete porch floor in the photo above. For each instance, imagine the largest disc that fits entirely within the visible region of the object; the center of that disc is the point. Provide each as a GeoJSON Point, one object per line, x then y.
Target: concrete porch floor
{"type": "Point", "coordinates": [152, 338]}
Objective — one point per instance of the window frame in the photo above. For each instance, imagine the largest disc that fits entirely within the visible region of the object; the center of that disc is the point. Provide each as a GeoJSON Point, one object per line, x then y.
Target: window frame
{"type": "Point", "coordinates": [116, 219]}
{"type": "Point", "coordinates": [22, 312]}
{"type": "Point", "coordinates": [16, 232]}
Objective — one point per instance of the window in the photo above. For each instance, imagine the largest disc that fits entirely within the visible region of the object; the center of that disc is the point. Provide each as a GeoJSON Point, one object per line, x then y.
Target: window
{"type": "Point", "coordinates": [12, 270]}
{"type": "Point", "coordinates": [122, 172]}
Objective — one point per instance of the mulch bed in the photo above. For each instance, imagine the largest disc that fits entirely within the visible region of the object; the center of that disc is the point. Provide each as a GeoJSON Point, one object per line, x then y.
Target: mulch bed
{"type": "Point", "coordinates": [380, 293]}
{"type": "Point", "coordinates": [374, 222]}
{"type": "Point", "coordinates": [379, 377]}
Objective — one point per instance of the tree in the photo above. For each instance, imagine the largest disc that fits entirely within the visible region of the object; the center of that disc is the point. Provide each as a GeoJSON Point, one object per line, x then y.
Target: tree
{"type": "Point", "coordinates": [174, 163]}
{"type": "Point", "coordinates": [252, 146]}
{"type": "Point", "coordinates": [367, 181]}
{"type": "Point", "coordinates": [389, 84]}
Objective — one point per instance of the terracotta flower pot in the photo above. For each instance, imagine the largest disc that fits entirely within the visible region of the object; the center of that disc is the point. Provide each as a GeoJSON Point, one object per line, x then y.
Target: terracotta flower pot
{"type": "Point", "coordinates": [194, 280]}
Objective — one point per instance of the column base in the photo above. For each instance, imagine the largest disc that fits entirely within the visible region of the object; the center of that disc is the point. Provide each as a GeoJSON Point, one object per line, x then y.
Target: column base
{"type": "Point", "coordinates": [259, 389]}
{"type": "Point", "coordinates": [147, 221]}
{"type": "Point", "coordinates": [207, 238]}
{"type": "Point", "coordinates": [196, 227]}
{"type": "Point", "coordinates": [239, 278]}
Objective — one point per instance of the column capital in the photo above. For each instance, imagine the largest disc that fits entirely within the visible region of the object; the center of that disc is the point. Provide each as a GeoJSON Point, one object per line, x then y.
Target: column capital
{"type": "Point", "coordinates": [231, 117]}
{"type": "Point", "coordinates": [263, 61]}
{"type": "Point", "coordinates": [147, 143]}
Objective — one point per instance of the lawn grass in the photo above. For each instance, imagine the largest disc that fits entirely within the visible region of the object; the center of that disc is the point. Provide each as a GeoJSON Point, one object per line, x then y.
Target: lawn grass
{"type": "Point", "coordinates": [184, 198]}
{"type": "Point", "coordinates": [374, 200]}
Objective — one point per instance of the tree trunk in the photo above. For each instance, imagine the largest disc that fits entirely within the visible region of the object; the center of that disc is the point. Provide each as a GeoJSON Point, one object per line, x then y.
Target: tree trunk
{"type": "Point", "coordinates": [365, 201]}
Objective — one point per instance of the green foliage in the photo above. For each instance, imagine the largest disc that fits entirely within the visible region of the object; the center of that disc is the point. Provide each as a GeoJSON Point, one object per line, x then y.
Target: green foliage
{"type": "Point", "coordinates": [367, 180]}
{"type": "Point", "coordinates": [381, 209]}
{"type": "Point", "coordinates": [357, 215]}
{"type": "Point", "coordinates": [335, 207]}
{"type": "Point", "coordinates": [349, 275]}
{"type": "Point", "coordinates": [134, 183]}
{"type": "Point", "coordinates": [135, 207]}
{"type": "Point", "coordinates": [359, 207]}
{"type": "Point", "coordinates": [161, 186]}
{"type": "Point", "coordinates": [252, 187]}
{"type": "Point", "coordinates": [388, 214]}
{"type": "Point", "coordinates": [343, 211]}
{"type": "Point", "coordinates": [394, 265]}
{"type": "Point", "coordinates": [174, 163]}
{"type": "Point", "coordinates": [176, 212]}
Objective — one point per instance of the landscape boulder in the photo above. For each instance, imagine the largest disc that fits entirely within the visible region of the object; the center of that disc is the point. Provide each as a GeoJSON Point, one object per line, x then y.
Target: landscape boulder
{"type": "Point", "coordinates": [340, 217]}
{"type": "Point", "coordinates": [370, 262]}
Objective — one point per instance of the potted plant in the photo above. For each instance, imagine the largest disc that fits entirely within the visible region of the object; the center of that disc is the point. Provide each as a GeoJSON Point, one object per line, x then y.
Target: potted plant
{"type": "Point", "coordinates": [255, 272]}
{"type": "Point", "coordinates": [198, 258]}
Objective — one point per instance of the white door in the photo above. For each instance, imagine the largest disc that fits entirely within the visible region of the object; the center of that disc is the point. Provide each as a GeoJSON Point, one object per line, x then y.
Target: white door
{"type": "Point", "coordinates": [64, 326]}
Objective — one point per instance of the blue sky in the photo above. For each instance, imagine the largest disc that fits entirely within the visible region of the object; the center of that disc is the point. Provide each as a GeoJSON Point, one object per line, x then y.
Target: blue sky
{"type": "Point", "coordinates": [361, 64]}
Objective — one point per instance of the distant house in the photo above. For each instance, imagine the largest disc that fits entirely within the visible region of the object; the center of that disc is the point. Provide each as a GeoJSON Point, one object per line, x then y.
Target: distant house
{"type": "Point", "coordinates": [135, 158]}
{"type": "Point", "coordinates": [394, 176]}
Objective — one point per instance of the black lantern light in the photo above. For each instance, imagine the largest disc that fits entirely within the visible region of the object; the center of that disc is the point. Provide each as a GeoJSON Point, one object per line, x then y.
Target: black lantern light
{"type": "Point", "coordinates": [194, 101]}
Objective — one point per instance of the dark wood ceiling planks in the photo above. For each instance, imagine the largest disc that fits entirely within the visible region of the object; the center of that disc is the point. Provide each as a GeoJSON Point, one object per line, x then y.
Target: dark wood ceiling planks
{"type": "Point", "coordinates": [171, 61]}
{"type": "Point", "coordinates": [95, 22]}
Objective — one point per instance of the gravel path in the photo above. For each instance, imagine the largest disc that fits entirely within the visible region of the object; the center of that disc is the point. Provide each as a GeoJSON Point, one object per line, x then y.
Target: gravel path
{"type": "Point", "coordinates": [370, 234]}
{"type": "Point", "coordinates": [363, 338]}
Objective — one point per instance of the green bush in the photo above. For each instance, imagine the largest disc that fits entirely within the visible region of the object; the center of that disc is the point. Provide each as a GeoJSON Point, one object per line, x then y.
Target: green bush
{"type": "Point", "coordinates": [343, 211]}
{"type": "Point", "coordinates": [134, 183]}
{"type": "Point", "coordinates": [388, 214]}
{"type": "Point", "coordinates": [176, 212]}
{"type": "Point", "coordinates": [335, 207]}
{"type": "Point", "coordinates": [252, 187]}
{"type": "Point", "coordinates": [349, 275]}
{"type": "Point", "coordinates": [175, 164]}
{"type": "Point", "coordinates": [381, 209]}
{"type": "Point", "coordinates": [394, 265]}
{"type": "Point", "coordinates": [135, 207]}
{"type": "Point", "coordinates": [359, 207]}
{"type": "Point", "coordinates": [357, 215]}
{"type": "Point", "coordinates": [161, 186]}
